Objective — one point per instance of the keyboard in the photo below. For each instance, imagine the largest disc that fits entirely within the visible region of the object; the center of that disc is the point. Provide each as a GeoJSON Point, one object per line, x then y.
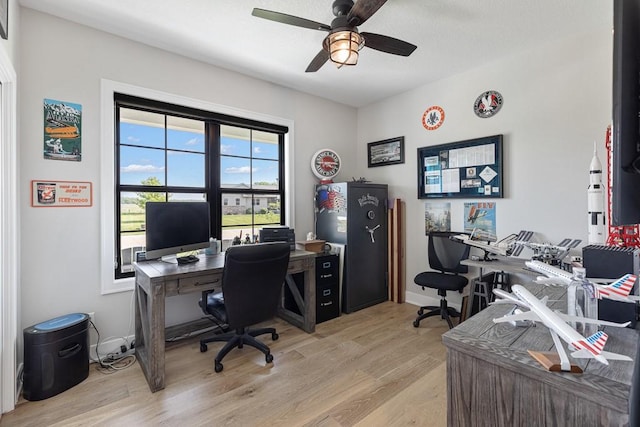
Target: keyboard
{"type": "Point", "coordinates": [188, 259]}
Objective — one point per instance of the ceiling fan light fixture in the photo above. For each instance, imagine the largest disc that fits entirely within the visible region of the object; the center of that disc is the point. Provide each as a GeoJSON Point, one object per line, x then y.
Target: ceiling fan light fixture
{"type": "Point", "coordinates": [343, 47]}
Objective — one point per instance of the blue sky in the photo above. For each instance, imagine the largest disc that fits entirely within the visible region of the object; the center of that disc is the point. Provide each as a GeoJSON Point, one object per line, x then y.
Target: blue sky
{"type": "Point", "coordinates": [186, 168]}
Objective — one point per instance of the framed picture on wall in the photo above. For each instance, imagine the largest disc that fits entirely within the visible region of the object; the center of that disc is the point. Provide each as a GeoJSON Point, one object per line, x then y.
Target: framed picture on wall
{"type": "Point", "coordinates": [386, 152]}
{"type": "Point", "coordinates": [464, 169]}
{"type": "Point", "coordinates": [4, 19]}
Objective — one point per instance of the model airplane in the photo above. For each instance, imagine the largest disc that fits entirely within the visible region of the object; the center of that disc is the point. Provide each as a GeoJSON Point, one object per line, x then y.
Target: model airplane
{"type": "Point", "coordinates": [508, 246]}
{"type": "Point", "coordinates": [591, 347]}
{"type": "Point", "coordinates": [618, 290]}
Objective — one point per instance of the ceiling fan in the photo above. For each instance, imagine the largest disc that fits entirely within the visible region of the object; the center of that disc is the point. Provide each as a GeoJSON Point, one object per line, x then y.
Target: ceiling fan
{"type": "Point", "coordinates": [344, 41]}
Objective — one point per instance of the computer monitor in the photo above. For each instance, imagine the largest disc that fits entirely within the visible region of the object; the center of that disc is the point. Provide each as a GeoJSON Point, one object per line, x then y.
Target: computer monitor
{"type": "Point", "coordinates": [176, 227]}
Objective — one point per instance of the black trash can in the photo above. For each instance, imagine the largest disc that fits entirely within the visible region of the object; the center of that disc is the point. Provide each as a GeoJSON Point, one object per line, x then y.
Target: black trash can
{"type": "Point", "coordinates": [56, 355]}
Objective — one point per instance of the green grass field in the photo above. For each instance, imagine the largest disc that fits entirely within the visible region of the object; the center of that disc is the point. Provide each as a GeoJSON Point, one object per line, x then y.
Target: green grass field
{"type": "Point", "coordinates": [134, 221]}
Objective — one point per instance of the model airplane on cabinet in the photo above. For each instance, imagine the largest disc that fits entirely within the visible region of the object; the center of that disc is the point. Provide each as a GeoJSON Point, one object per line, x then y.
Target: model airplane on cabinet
{"type": "Point", "coordinates": [508, 246]}
{"type": "Point", "coordinates": [617, 290]}
{"type": "Point", "coordinates": [590, 347]}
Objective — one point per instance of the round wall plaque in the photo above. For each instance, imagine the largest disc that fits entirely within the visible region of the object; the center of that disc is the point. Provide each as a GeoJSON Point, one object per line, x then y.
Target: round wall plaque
{"type": "Point", "coordinates": [325, 164]}
{"type": "Point", "coordinates": [487, 104]}
{"type": "Point", "coordinates": [432, 118]}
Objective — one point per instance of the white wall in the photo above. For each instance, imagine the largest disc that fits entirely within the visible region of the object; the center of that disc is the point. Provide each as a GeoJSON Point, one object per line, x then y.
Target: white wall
{"type": "Point", "coordinates": [557, 102]}
{"type": "Point", "coordinates": [65, 61]}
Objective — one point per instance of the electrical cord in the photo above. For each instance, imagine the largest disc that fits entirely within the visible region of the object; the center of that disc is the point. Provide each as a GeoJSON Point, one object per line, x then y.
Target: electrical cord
{"type": "Point", "coordinates": [111, 361]}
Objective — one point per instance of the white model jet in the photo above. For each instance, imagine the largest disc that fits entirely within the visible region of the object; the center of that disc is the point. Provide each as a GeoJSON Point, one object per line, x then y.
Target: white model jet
{"type": "Point", "coordinates": [618, 290]}
{"type": "Point", "coordinates": [508, 246]}
{"type": "Point", "coordinates": [591, 347]}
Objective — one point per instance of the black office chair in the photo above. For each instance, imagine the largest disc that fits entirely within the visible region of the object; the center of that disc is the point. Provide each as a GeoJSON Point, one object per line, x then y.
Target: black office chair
{"type": "Point", "coordinates": [251, 285]}
{"type": "Point", "coordinates": [444, 256]}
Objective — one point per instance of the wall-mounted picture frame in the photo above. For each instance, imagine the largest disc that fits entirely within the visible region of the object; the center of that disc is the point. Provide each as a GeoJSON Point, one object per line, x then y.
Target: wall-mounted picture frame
{"type": "Point", "coordinates": [386, 152]}
{"type": "Point", "coordinates": [462, 169]}
{"type": "Point", "coordinates": [4, 19]}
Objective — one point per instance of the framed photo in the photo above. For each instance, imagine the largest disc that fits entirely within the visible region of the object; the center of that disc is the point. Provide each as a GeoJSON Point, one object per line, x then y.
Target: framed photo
{"type": "Point", "coordinates": [387, 152]}
{"type": "Point", "coordinates": [4, 19]}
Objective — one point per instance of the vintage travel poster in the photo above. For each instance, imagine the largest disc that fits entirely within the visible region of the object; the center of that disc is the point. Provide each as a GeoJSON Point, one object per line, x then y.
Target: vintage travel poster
{"type": "Point", "coordinates": [480, 219]}
{"type": "Point", "coordinates": [62, 123]}
{"type": "Point", "coordinates": [437, 216]}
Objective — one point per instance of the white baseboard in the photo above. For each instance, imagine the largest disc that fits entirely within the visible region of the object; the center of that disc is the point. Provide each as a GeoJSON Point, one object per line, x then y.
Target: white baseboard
{"type": "Point", "coordinates": [421, 300]}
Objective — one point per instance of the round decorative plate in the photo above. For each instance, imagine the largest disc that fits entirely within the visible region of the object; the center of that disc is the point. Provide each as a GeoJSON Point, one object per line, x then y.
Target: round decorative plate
{"type": "Point", "coordinates": [487, 104]}
{"type": "Point", "coordinates": [325, 164]}
{"type": "Point", "coordinates": [432, 118]}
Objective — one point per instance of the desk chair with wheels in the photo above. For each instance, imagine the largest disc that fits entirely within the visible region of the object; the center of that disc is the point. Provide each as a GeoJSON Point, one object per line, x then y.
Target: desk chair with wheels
{"type": "Point", "coordinates": [251, 284]}
{"type": "Point", "coordinates": [444, 256]}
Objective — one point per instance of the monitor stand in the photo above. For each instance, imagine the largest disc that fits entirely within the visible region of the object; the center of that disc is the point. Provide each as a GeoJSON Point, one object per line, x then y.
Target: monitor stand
{"type": "Point", "coordinates": [169, 259]}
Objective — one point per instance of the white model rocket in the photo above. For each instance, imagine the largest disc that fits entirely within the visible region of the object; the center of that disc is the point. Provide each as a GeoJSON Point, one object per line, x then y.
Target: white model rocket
{"type": "Point", "coordinates": [595, 201]}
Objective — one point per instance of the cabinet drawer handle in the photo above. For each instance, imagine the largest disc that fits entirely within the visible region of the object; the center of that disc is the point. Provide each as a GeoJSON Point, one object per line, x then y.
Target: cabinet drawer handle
{"type": "Point", "coordinates": [205, 283]}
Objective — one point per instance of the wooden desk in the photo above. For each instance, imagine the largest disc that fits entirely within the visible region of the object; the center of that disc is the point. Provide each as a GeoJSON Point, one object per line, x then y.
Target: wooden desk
{"type": "Point", "coordinates": [156, 280]}
{"type": "Point", "coordinates": [492, 380]}
{"type": "Point", "coordinates": [508, 265]}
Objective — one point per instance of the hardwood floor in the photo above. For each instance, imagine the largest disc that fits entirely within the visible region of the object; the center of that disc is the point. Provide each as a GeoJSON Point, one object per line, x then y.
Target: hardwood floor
{"type": "Point", "coordinates": [368, 368]}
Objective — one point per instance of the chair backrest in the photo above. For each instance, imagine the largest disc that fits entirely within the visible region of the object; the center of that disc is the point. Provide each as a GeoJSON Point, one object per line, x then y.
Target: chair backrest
{"type": "Point", "coordinates": [445, 254]}
{"type": "Point", "coordinates": [252, 281]}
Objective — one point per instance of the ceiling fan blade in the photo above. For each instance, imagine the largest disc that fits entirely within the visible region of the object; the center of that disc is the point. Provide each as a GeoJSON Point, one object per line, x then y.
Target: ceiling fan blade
{"type": "Point", "coordinates": [363, 10]}
{"type": "Point", "coordinates": [388, 44]}
{"type": "Point", "coordinates": [318, 61]}
{"type": "Point", "coordinates": [289, 19]}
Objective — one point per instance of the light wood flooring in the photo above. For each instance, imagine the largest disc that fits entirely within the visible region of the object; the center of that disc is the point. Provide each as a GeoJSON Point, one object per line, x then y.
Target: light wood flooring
{"type": "Point", "coordinates": [368, 368]}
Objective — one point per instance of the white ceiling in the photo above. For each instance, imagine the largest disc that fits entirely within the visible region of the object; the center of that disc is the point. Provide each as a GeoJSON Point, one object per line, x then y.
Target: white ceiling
{"type": "Point", "coordinates": [452, 36]}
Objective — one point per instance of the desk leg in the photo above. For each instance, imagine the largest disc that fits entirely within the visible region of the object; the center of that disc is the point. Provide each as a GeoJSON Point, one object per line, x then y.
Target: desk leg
{"type": "Point", "coordinates": [472, 293]}
{"type": "Point", "coordinates": [150, 334]}
{"type": "Point", "coordinates": [309, 300]}
{"type": "Point", "coordinates": [306, 304]}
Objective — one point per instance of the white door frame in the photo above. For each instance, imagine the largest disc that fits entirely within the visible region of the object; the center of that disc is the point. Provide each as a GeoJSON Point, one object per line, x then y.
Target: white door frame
{"type": "Point", "coordinates": [9, 226]}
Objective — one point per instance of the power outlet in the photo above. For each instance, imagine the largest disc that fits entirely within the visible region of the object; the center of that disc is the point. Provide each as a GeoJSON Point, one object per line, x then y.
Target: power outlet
{"type": "Point", "coordinates": [92, 317]}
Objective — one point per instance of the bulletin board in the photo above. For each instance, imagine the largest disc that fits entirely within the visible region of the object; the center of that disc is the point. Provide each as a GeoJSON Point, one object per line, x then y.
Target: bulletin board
{"type": "Point", "coordinates": [462, 169]}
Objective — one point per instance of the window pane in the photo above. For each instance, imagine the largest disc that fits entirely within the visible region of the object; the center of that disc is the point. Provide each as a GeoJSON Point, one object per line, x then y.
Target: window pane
{"type": "Point", "coordinates": [235, 141]}
{"type": "Point", "coordinates": [185, 134]}
{"type": "Point", "coordinates": [265, 145]}
{"type": "Point", "coordinates": [265, 174]}
{"type": "Point", "coordinates": [138, 165]}
{"type": "Point", "coordinates": [235, 172]}
{"type": "Point", "coordinates": [141, 128]}
{"type": "Point", "coordinates": [259, 210]}
{"type": "Point", "coordinates": [185, 169]}
{"type": "Point", "coordinates": [187, 197]}
{"type": "Point", "coordinates": [132, 226]}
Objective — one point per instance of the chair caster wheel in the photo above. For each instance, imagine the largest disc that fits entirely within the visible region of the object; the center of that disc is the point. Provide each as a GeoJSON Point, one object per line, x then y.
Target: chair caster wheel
{"type": "Point", "coordinates": [416, 323]}
{"type": "Point", "coordinates": [420, 312]}
{"type": "Point", "coordinates": [203, 347]}
{"type": "Point", "coordinates": [268, 357]}
{"type": "Point", "coordinates": [274, 336]}
{"type": "Point", "coordinates": [218, 367]}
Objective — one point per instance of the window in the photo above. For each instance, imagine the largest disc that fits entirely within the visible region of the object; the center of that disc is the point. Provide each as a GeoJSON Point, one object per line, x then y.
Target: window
{"type": "Point", "coordinates": [166, 152]}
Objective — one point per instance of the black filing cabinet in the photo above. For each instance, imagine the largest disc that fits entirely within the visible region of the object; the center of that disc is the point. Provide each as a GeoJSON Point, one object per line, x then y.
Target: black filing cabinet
{"type": "Point", "coordinates": [327, 288]}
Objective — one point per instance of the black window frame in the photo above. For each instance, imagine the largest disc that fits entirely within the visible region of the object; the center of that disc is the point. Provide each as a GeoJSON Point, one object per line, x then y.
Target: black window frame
{"type": "Point", "coordinates": [212, 189]}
